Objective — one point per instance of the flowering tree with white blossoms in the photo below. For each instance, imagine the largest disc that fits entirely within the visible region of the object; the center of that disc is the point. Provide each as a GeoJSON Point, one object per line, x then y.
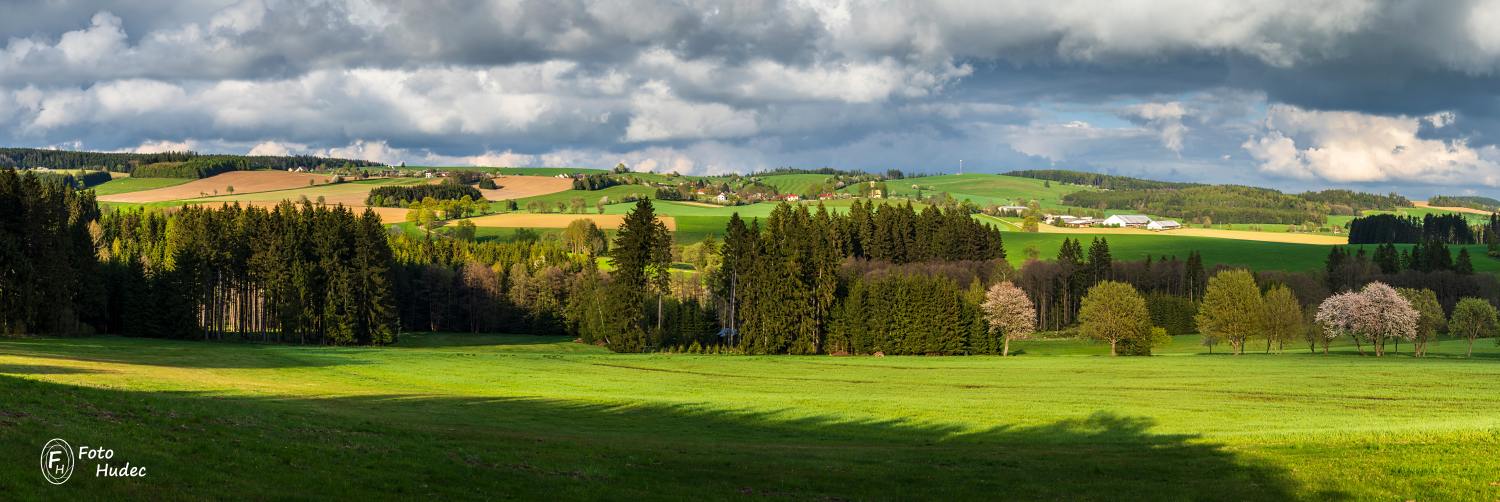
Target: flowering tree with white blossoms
{"type": "Point", "coordinates": [1010, 312]}
{"type": "Point", "coordinates": [1376, 313]}
{"type": "Point", "coordinates": [1389, 316]}
{"type": "Point", "coordinates": [1336, 315]}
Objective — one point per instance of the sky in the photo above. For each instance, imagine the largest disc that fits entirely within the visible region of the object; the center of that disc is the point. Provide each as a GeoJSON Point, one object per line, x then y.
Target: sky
{"type": "Point", "coordinates": [1308, 94]}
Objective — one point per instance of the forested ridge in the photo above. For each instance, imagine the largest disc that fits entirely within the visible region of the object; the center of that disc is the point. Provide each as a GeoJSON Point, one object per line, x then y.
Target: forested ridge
{"type": "Point", "coordinates": [1211, 204]}
{"type": "Point", "coordinates": [1105, 181]}
{"type": "Point", "coordinates": [1234, 204]}
{"type": "Point", "coordinates": [166, 164]}
{"type": "Point", "coordinates": [30, 158]}
{"type": "Point", "coordinates": [1469, 201]}
{"type": "Point", "coordinates": [1200, 203]}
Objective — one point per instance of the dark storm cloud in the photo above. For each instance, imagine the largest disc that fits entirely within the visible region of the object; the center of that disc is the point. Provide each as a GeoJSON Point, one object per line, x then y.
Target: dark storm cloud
{"type": "Point", "coordinates": [1290, 93]}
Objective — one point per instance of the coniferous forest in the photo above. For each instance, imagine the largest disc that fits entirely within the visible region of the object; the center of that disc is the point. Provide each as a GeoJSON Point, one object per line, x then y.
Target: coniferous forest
{"type": "Point", "coordinates": [162, 165]}
{"type": "Point", "coordinates": [403, 195]}
{"type": "Point", "coordinates": [1441, 228]}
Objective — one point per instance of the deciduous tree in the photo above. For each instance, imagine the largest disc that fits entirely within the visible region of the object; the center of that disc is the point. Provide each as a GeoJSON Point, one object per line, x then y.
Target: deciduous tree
{"type": "Point", "coordinates": [1231, 308]}
{"type": "Point", "coordinates": [1473, 318]}
{"type": "Point", "coordinates": [1282, 317]}
{"type": "Point", "coordinates": [1114, 312]}
{"type": "Point", "coordinates": [1010, 313]}
{"type": "Point", "coordinates": [1430, 318]}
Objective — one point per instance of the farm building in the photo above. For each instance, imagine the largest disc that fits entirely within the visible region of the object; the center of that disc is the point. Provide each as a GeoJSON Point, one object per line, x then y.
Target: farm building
{"type": "Point", "coordinates": [1163, 225]}
{"type": "Point", "coordinates": [1127, 220]}
{"type": "Point", "coordinates": [1064, 220]}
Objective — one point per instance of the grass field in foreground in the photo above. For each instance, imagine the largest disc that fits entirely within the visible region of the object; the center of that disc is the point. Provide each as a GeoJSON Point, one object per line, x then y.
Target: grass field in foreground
{"type": "Point", "coordinates": [485, 417]}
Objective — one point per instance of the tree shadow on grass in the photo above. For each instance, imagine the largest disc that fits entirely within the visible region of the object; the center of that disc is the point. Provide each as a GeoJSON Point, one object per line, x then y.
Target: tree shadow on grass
{"type": "Point", "coordinates": [400, 446]}
{"type": "Point", "coordinates": [174, 353]}
{"type": "Point", "coordinates": [41, 369]}
{"type": "Point", "coordinates": [436, 340]}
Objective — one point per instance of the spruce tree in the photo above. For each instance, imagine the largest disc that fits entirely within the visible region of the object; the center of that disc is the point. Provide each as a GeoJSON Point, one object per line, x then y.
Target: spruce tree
{"type": "Point", "coordinates": [1464, 265]}
{"type": "Point", "coordinates": [636, 255]}
{"type": "Point", "coordinates": [1101, 265]}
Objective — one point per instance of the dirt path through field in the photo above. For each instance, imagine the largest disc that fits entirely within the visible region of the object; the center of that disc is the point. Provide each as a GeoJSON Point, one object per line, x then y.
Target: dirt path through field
{"type": "Point", "coordinates": [531, 220]}
{"type": "Point", "coordinates": [244, 182]}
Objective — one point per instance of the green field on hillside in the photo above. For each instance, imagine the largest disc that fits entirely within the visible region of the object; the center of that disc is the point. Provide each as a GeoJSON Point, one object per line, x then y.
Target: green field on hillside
{"type": "Point", "coordinates": [986, 189]}
{"type": "Point", "coordinates": [126, 185]}
{"type": "Point", "coordinates": [481, 416]}
{"type": "Point", "coordinates": [615, 193]}
{"type": "Point", "coordinates": [795, 183]}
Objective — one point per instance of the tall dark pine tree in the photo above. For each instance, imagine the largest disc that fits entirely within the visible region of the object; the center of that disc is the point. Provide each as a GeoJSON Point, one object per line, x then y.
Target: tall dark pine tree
{"type": "Point", "coordinates": [635, 255]}
{"type": "Point", "coordinates": [735, 260]}
{"type": "Point", "coordinates": [1464, 265]}
{"type": "Point", "coordinates": [1195, 278]}
{"type": "Point", "coordinates": [1101, 265]}
{"type": "Point", "coordinates": [1388, 258]}
{"type": "Point", "coordinates": [1073, 278]}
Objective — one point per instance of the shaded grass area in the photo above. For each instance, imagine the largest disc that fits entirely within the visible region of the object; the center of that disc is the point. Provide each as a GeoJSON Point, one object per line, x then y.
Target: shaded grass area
{"type": "Point", "coordinates": [483, 417]}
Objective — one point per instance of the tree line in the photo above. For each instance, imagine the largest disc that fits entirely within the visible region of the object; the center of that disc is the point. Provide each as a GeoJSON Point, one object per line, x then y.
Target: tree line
{"type": "Point", "coordinates": [210, 165]}
{"type": "Point", "coordinates": [306, 274]}
{"type": "Point", "coordinates": [1207, 204]}
{"type": "Point", "coordinates": [1469, 201]}
{"type": "Point", "coordinates": [81, 180]}
{"type": "Point", "coordinates": [405, 195]}
{"type": "Point", "coordinates": [597, 181]}
{"type": "Point", "coordinates": [1441, 228]}
{"type": "Point", "coordinates": [48, 273]}
{"type": "Point", "coordinates": [1105, 181]}
{"type": "Point", "coordinates": [303, 274]}
{"type": "Point", "coordinates": [31, 158]}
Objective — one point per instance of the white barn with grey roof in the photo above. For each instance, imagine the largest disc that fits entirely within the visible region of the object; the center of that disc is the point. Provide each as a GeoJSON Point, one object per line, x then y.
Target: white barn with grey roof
{"type": "Point", "coordinates": [1127, 220]}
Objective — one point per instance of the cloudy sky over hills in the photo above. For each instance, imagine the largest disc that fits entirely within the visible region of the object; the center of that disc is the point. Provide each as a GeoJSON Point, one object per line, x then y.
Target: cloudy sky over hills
{"type": "Point", "coordinates": [1294, 94]}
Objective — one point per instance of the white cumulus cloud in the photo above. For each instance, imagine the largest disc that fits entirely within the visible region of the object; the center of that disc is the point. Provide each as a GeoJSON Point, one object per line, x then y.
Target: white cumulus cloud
{"type": "Point", "coordinates": [1353, 147]}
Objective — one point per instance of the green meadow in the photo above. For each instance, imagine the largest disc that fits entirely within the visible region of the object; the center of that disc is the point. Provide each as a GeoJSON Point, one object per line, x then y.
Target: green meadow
{"type": "Point", "coordinates": [517, 417]}
{"type": "Point", "coordinates": [986, 189]}
{"type": "Point", "coordinates": [795, 183]}
{"type": "Point", "coordinates": [126, 185]}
